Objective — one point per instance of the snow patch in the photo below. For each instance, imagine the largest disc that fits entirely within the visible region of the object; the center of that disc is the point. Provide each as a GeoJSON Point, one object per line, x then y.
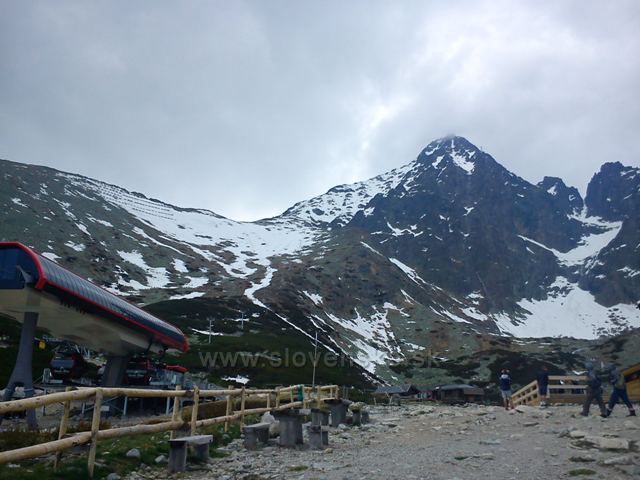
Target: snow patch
{"type": "Point", "coordinates": [51, 256]}
{"type": "Point", "coordinates": [568, 311]}
{"type": "Point", "coordinates": [78, 247]}
{"type": "Point", "coordinates": [238, 379]}
{"type": "Point", "coordinates": [410, 272]}
{"type": "Point", "coordinates": [462, 162]}
{"type": "Point", "coordinates": [187, 296]}
{"type": "Point", "coordinates": [589, 246]}
{"type": "Point", "coordinates": [157, 277]}
{"type": "Point", "coordinates": [314, 297]}
{"type": "Point", "coordinates": [180, 266]}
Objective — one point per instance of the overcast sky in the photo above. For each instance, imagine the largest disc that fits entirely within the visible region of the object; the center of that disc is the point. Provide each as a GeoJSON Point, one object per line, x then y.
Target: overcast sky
{"type": "Point", "coordinates": [245, 108]}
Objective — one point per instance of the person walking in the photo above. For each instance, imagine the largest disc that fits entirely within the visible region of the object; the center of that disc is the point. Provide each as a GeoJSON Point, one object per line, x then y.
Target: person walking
{"type": "Point", "coordinates": [505, 389]}
{"type": "Point", "coordinates": [619, 392]}
{"type": "Point", "coordinates": [543, 385]}
{"type": "Point", "coordinates": [594, 392]}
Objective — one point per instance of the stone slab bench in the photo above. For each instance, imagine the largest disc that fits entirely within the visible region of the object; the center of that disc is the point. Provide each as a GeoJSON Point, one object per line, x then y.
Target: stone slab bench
{"type": "Point", "coordinates": [290, 427]}
{"type": "Point", "coordinates": [178, 450]}
{"type": "Point", "coordinates": [258, 432]}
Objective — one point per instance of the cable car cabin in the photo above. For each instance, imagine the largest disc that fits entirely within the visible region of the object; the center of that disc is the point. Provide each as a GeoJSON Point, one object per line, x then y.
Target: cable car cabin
{"type": "Point", "coordinates": [74, 309]}
{"type": "Point", "coordinates": [632, 380]}
{"type": "Point", "coordinates": [67, 365]}
{"type": "Point", "coordinates": [142, 371]}
{"type": "Point", "coordinates": [169, 375]}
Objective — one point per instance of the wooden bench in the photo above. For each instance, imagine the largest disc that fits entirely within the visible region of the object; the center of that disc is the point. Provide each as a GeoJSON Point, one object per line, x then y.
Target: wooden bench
{"type": "Point", "coordinates": [178, 451]}
{"type": "Point", "coordinates": [258, 432]}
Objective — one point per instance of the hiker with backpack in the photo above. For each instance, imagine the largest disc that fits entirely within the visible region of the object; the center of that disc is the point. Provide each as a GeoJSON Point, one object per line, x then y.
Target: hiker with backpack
{"type": "Point", "coordinates": [543, 385]}
{"type": "Point", "coordinates": [619, 392]}
{"type": "Point", "coordinates": [505, 388]}
{"type": "Point", "coordinates": [594, 392]}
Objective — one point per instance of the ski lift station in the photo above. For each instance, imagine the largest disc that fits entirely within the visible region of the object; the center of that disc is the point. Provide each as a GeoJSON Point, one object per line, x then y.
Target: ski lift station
{"type": "Point", "coordinates": [40, 293]}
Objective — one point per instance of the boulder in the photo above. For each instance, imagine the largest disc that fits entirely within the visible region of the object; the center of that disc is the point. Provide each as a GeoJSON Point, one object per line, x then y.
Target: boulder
{"type": "Point", "coordinates": [623, 460]}
{"type": "Point", "coordinates": [133, 453]}
{"type": "Point", "coordinates": [604, 443]}
{"type": "Point", "coordinates": [274, 427]}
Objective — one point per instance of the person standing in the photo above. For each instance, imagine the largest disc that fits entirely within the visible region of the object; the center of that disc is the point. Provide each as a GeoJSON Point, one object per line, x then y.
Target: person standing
{"type": "Point", "coordinates": [616, 379]}
{"type": "Point", "coordinates": [543, 385]}
{"type": "Point", "coordinates": [594, 392]}
{"type": "Point", "coordinates": [505, 389]}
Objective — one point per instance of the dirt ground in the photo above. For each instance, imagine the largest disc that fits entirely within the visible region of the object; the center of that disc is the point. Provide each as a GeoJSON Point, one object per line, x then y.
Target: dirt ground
{"type": "Point", "coordinates": [442, 442]}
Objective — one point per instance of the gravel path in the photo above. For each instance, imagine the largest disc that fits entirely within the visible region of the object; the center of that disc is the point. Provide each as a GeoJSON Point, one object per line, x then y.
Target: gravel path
{"type": "Point", "coordinates": [441, 442]}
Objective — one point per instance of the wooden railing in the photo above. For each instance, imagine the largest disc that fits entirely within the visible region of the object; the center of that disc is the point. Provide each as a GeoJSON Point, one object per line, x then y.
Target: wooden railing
{"type": "Point", "coordinates": [283, 399]}
{"type": "Point", "coordinates": [562, 389]}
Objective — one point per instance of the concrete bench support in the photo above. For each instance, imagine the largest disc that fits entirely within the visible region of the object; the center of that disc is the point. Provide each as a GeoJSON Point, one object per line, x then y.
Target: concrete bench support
{"type": "Point", "coordinates": [290, 427]}
{"type": "Point", "coordinates": [365, 416]}
{"type": "Point", "coordinates": [254, 434]}
{"type": "Point", "coordinates": [357, 417]}
{"type": "Point", "coordinates": [318, 437]}
{"type": "Point", "coordinates": [178, 451]}
{"type": "Point", "coordinates": [338, 409]}
{"type": "Point", "coordinates": [319, 417]}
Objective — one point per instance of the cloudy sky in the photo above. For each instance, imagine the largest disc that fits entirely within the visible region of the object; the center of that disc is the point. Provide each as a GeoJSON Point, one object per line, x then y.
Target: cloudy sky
{"type": "Point", "coordinates": [246, 107]}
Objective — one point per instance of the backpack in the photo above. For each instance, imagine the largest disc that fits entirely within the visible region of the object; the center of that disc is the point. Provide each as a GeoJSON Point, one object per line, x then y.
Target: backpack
{"type": "Point", "coordinates": [593, 381]}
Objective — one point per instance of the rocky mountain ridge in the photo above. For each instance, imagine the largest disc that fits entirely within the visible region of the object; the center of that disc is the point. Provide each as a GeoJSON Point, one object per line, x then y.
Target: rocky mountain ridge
{"type": "Point", "coordinates": [437, 255]}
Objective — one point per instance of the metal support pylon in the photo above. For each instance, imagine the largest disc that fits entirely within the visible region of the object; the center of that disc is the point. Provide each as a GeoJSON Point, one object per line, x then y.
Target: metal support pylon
{"type": "Point", "coordinates": [22, 370]}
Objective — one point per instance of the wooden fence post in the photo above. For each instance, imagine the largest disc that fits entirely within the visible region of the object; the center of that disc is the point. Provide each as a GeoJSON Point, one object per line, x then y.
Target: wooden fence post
{"type": "Point", "coordinates": [64, 422]}
{"type": "Point", "coordinates": [177, 423]}
{"type": "Point", "coordinates": [226, 423]}
{"type": "Point", "coordinates": [194, 409]}
{"type": "Point", "coordinates": [176, 411]}
{"type": "Point", "coordinates": [242, 404]}
{"type": "Point", "coordinates": [95, 426]}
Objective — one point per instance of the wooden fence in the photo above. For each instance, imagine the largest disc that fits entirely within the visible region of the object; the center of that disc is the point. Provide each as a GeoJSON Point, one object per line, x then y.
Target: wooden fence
{"type": "Point", "coordinates": [565, 389]}
{"type": "Point", "coordinates": [283, 399]}
{"type": "Point", "coordinates": [562, 389]}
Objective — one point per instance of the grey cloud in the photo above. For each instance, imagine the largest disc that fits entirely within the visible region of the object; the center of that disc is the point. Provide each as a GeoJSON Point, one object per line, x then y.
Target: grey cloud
{"type": "Point", "coordinates": [248, 107]}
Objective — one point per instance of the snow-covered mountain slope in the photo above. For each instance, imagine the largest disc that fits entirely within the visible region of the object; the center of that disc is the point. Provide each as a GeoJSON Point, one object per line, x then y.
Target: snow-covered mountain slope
{"type": "Point", "coordinates": [435, 254]}
{"type": "Point", "coordinates": [341, 203]}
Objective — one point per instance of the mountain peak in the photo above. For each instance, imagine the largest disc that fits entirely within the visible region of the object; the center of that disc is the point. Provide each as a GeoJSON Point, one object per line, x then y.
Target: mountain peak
{"type": "Point", "coordinates": [568, 197]}
{"type": "Point", "coordinates": [614, 192]}
{"type": "Point", "coordinates": [552, 185]}
{"type": "Point", "coordinates": [450, 150]}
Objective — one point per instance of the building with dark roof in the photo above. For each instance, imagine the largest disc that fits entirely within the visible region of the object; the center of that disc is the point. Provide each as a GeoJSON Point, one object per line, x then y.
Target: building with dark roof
{"type": "Point", "coordinates": [406, 390]}
{"type": "Point", "coordinates": [458, 393]}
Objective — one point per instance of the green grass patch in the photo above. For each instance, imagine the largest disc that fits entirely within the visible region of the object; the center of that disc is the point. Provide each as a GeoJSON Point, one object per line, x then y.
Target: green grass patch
{"type": "Point", "coordinates": [581, 471]}
{"type": "Point", "coordinates": [268, 351]}
{"type": "Point", "coordinates": [298, 468]}
{"type": "Point", "coordinates": [110, 455]}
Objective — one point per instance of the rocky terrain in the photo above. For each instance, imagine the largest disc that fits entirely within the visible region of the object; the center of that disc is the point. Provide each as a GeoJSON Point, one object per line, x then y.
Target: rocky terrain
{"type": "Point", "coordinates": [443, 255]}
{"type": "Point", "coordinates": [441, 442]}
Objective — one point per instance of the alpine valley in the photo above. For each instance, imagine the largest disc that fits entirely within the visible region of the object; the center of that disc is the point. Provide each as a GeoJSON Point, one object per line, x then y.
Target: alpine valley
{"type": "Point", "coordinates": [444, 269]}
